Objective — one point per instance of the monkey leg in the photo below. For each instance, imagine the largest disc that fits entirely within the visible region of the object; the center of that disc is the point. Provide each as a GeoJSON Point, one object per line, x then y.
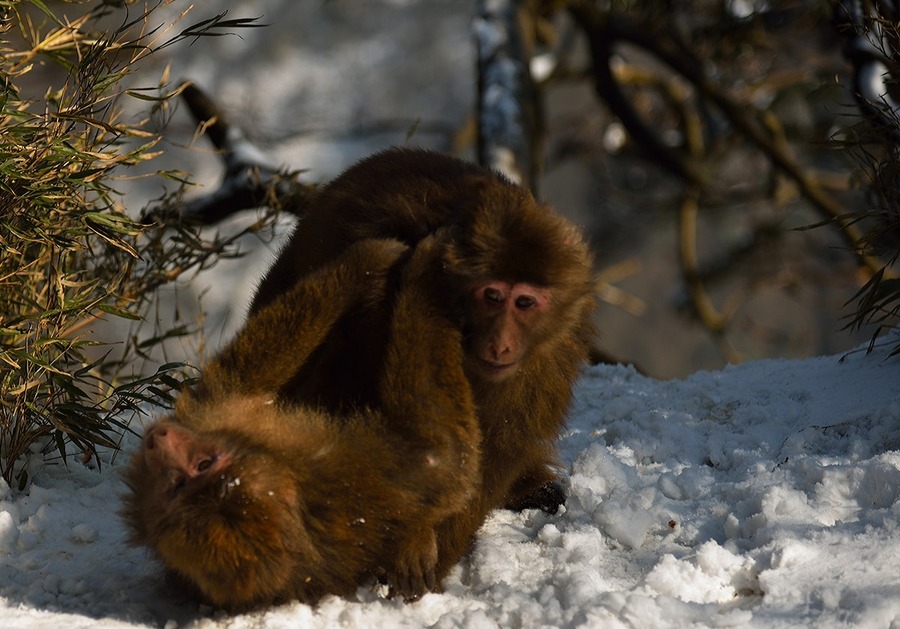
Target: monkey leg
{"type": "Point", "coordinates": [456, 534]}
{"type": "Point", "coordinates": [279, 338]}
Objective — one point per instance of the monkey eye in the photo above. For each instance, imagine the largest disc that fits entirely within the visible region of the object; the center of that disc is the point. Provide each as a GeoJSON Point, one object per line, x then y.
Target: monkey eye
{"type": "Point", "coordinates": [493, 295]}
{"type": "Point", "coordinates": [525, 302]}
{"type": "Point", "coordinates": [205, 464]}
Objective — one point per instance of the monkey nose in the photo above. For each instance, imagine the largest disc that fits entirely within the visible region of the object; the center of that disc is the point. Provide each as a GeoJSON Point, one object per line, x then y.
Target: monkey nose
{"type": "Point", "coordinates": [498, 351]}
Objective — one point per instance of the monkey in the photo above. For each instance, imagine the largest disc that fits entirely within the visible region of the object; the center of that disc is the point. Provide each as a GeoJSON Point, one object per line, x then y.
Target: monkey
{"type": "Point", "coordinates": [518, 279]}
{"type": "Point", "coordinates": [250, 499]}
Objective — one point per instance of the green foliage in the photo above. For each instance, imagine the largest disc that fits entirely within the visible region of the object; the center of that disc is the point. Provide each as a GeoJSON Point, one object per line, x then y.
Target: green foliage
{"type": "Point", "coordinates": [69, 253]}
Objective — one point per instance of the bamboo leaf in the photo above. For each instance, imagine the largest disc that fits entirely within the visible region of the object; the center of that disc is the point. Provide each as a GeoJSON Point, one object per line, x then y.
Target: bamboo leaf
{"type": "Point", "coordinates": [119, 312]}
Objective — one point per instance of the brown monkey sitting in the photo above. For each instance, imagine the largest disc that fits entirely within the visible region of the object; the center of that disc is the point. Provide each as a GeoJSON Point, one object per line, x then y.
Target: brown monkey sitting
{"type": "Point", "coordinates": [518, 279]}
{"type": "Point", "coordinates": [250, 500]}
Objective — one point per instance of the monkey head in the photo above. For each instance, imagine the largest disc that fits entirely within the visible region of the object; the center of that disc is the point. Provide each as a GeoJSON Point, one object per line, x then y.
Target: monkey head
{"type": "Point", "coordinates": [220, 512]}
{"type": "Point", "coordinates": [522, 275]}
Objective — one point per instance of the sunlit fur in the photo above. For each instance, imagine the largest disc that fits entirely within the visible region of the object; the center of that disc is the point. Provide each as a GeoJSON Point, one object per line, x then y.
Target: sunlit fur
{"type": "Point", "coordinates": [250, 499]}
{"type": "Point", "coordinates": [493, 231]}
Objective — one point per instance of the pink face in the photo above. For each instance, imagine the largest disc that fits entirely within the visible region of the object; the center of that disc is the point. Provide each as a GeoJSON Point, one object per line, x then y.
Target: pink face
{"type": "Point", "coordinates": [503, 315]}
{"type": "Point", "coordinates": [179, 456]}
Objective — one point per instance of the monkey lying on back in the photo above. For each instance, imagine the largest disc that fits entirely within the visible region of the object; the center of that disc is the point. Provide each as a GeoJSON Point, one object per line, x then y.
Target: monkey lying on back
{"type": "Point", "coordinates": [518, 280]}
{"type": "Point", "coordinates": [251, 500]}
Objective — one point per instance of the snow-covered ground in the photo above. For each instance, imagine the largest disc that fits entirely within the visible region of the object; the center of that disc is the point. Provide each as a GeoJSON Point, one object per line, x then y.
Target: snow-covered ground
{"type": "Point", "coordinates": [762, 495]}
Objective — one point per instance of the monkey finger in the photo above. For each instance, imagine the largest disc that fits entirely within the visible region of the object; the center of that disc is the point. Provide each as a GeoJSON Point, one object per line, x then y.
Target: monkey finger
{"type": "Point", "coordinates": [412, 598]}
{"type": "Point", "coordinates": [401, 585]}
{"type": "Point", "coordinates": [412, 588]}
{"type": "Point", "coordinates": [413, 585]}
{"type": "Point", "coordinates": [430, 580]}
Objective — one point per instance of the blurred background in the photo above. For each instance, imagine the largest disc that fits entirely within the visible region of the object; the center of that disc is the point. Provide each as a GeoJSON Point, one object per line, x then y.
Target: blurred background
{"type": "Point", "coordinates": [733, 162]}
{"type": "Point", "coordinates": [320, 84]}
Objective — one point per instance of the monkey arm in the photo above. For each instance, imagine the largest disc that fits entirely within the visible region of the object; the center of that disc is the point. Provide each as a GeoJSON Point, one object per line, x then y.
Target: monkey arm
{"type": "Point", "coordinates": [424, 390]}
{"type": "Point", "coordinates": [278, 339]}
{"type": "Point", "coordinates": [427, 400]}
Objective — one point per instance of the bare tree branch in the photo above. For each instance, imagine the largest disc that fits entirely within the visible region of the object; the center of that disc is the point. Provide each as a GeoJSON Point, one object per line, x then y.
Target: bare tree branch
{"type": "Point", "coordinates": [761, 128]}
{"type": "Point", "coordinates": [509, 116]}
{"type": "Point", "coordinates": [251, 179]}
{"type": "Point", "coordinates": [603, 32]}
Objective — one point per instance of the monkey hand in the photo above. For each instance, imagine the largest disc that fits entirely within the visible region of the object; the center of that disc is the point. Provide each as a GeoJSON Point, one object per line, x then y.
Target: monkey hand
{"type": "Point", "coordinates": [371, 260]}
{"type": "Point", "coordinates": [413, 572]}
{"type": "Point", "coordinates": [425, 271]}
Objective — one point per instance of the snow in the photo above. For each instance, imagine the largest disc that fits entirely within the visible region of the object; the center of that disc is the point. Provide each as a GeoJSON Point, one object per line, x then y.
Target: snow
{"type": "Point", "coordinates": [762, 495]}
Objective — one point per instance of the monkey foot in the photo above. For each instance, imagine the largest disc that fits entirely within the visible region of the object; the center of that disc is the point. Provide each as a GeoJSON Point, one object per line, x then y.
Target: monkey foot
{"type": "Point", "coordinates": [548, 497]}
{"type": "Point", "coordinates": [414, 571]}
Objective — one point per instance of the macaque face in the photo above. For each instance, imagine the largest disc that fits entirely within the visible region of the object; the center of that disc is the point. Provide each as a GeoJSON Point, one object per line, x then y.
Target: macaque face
{"type": "Point", "coordinates": [187, 461]}
{"type": "Point", "coordinates": [503, 318]}
{"type": "Point", "coordinates": [219, 514]}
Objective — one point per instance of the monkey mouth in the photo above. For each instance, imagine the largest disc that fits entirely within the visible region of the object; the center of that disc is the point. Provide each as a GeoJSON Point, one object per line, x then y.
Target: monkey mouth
{"type": "Point", "coordinates": [495, 369]}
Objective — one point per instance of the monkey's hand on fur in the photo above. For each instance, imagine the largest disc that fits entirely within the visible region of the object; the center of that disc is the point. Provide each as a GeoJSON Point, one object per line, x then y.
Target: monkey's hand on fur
{"type": "Point", "coordinates": [425, 269]}
{"type": "Point", "coordinates": [372, 259]}
{"type": "Point", "coordinates": [413, 572]}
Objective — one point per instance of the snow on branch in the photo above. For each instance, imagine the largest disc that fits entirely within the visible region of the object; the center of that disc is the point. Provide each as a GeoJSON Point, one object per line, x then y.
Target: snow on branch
{"type": "Point", "coordinates": [251, 179]}
{"type": "Point", "coordinates": [509, 126]}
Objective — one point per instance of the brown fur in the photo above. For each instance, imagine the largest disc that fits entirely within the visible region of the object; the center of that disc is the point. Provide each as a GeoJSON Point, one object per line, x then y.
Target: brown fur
{"type": "Point", "coordinates": [250, 499]}
{"type": "Point", "coordinates": [495, 232]}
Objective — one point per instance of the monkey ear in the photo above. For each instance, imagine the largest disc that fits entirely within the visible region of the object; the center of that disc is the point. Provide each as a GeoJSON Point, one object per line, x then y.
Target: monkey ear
{"type": "Point", "coordinates": [573, 238]}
